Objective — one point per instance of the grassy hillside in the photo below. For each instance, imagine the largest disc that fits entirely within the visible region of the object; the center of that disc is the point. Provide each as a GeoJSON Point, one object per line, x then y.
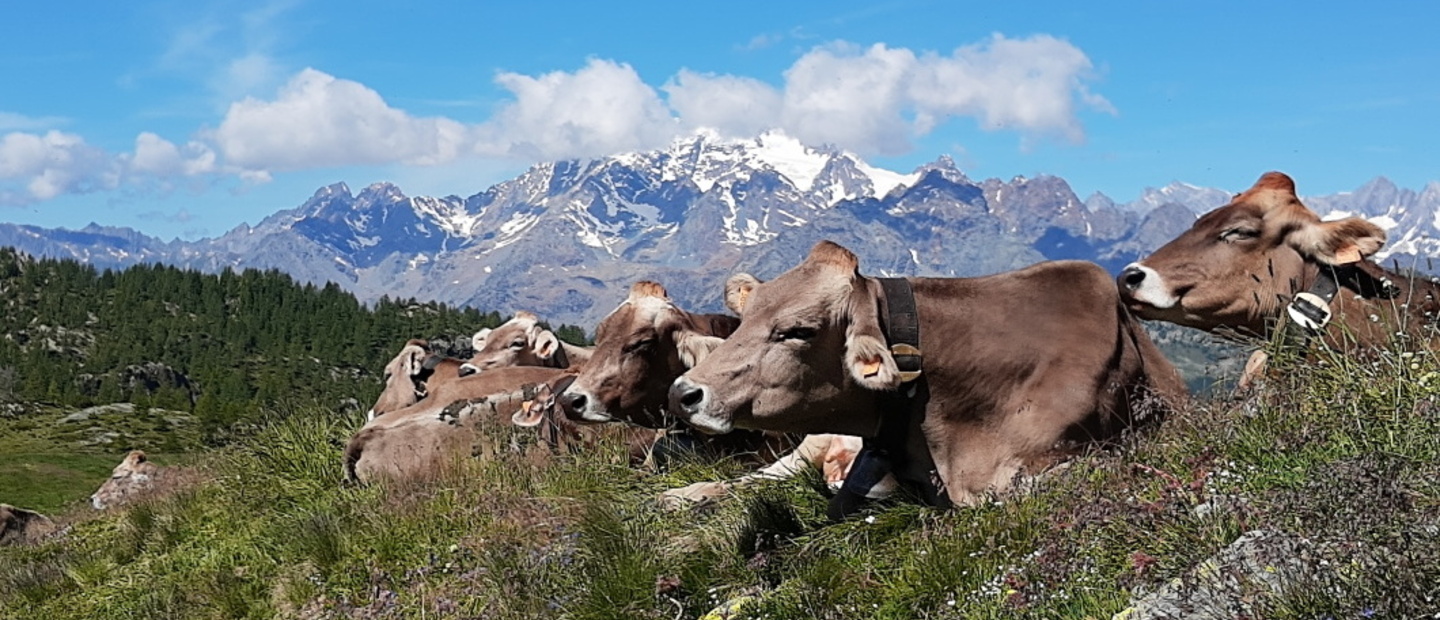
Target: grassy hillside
{"type": "Point", "coordinates": [1340, 453]}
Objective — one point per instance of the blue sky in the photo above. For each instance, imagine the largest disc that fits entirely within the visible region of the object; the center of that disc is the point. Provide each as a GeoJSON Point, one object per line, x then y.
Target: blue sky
{"type": "Point", "coordinates": [188, 118]}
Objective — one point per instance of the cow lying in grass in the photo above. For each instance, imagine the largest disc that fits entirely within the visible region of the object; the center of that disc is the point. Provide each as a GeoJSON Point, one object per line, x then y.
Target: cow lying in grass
{"type": "Point", "coordinates": [640, 349]}
{"type": "Point", "coordinates": [1020, 371]}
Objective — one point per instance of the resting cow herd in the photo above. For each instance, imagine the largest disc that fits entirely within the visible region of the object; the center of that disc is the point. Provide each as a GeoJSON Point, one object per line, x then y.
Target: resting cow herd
{"type": "Point", "coordinates": [952, 387]}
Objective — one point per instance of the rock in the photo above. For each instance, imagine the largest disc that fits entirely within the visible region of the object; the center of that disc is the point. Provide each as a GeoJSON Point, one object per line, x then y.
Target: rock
{"type": "Point", "coordinates": [1259, 564]}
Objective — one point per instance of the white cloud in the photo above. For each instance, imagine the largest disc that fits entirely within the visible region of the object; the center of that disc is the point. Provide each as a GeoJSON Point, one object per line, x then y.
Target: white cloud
{"type": "Point", "coordinates": [36, 167]}
{"type": "Point", "coordinates": [319, 121]}
{"type": "Point", "coordinates": [872, 100]}
{"type": "Point", "coordinates": [157, 156]}
{"type": "Point", "coordinates": [877, 100]}
{"type": "Point", "coordinates": [603, 108]}
{"type": "Point", "coordinates": [732, 105]}
{"type": "Point", "coordinates": [1033, 85]}
{"type": "Point", "coordinates": [855, 100]}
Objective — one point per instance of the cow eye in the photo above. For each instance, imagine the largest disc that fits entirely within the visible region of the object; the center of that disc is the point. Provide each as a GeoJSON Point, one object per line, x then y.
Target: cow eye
{"type": "Point", "coordinates": [798, 333]}
{"type": "Point", "coordinates": [518, 344]}
{"type": "Point", "coordinates": [1239, 234]}
{"type": "Point", "coordinates": [639, 345]}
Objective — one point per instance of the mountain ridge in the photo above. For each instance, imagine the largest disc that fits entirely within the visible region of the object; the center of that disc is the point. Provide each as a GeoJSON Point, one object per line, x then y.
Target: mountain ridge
{"type": "Point", "coordinates": [566, 238]}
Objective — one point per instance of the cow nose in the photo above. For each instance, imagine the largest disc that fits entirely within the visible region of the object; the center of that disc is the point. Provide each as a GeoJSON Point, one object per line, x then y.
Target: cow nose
{"type": "Point", "coordinates": [573, 401]}
{"type": "Point", "coordinates": [1132, 277]}
{"type": "Point", "coordinates": [686, 396]}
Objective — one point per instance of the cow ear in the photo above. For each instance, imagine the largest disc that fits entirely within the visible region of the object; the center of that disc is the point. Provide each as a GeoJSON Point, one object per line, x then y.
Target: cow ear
{"type": "Point", "coordinates": [867, 358]}
{"type": "Point", "coordinates": [532, 411]}
{"type": "Point", "coordinates": [1338, 242]}
{"type": "Point", "coordinates": [477, 341]}
{"type": "Point", "coordinates": [870, 363]}
{"type": "Point", "coordinates": [546, 344]}
{"type": "Point", "coordinates": [737, 292]}
{"type": "Point", "coordinates": [414, 361]}
{"type": "Point", "coordinates": [695, 346]}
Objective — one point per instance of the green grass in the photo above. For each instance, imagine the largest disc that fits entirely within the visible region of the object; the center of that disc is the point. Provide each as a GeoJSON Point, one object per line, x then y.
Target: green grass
{"type": "Point", "coordinates": [49, 482]}
{"type": "Point", "coordinates": [1342, 452]}
{"type": "Point", "coordinates": [50, 459]}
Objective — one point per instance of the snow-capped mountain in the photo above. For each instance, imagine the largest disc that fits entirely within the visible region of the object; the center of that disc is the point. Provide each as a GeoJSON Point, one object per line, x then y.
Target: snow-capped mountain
{"type": "Point", "coordinates": [566, 239]}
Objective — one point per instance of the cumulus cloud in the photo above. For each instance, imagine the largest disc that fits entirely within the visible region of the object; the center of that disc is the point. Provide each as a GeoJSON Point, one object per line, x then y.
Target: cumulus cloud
{"type": "Point", "coordinates": [160, 157]}
{"type": "Point", "coordinates": [600, 109]}
{"type": "Point", "coordinates": [872, 100]}
{"type": "Point", "coordinates": [38, 167]}
{"type": "Point", "coordinates": [738, 106]}
{"type": "Point", "coordinates": [320, 121]}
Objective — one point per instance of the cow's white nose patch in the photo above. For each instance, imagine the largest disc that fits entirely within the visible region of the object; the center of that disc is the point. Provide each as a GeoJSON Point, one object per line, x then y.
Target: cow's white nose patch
{"type": "Point", "coordinates": [1151, 289]}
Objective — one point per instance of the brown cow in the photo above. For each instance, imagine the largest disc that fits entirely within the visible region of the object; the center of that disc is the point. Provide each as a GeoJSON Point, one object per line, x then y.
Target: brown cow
{"type": "Point", "coordinates": [1240, 265]}
{"type": "Point", "coordinates": [522, 341]}
{"type": "Point", "coordinates": [410, 374]}
{"type": "Point", "coordinates": [133, 477]}
{"type": "Point", "coordinates": [415, 441]}
{"type": "Point", "coordinates": [19, 526]}
{"type": "Point", "coordinates": [1020, 369]}
{"type": "Point", "coordinates": [640, 349]}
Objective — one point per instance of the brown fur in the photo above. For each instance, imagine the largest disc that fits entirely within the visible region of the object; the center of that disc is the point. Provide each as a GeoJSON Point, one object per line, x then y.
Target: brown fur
{"type": "Point", "coordinates": [416, 440]}
{"type": "Point", "coordinates": [19, 526]}
{"type": "Point", "coordinates": [133, 477]}
{"type": "Point", "coordinates": [1021, 368]}
{"type": "Point", "coordinates": [1221, 281]}
{"type": "Point", "coordinates": [519, 342]}
{"type": "Point", "coordinates": [630, 382]}
{"type": "Point", "coordinates": [407, 380]}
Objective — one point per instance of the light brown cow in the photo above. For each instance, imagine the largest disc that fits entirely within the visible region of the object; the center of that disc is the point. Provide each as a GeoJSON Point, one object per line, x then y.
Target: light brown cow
{"type": "Point", "coordinates": [415, 441]}
{"type": "Point", "coordinates": [522, 341]}
{"type": "Point", "coordinates": [410, 374]}
{"type": "Point", "coordinates": [1020, 369]}
{"type": "Point", "coordinates": [19, 526]}
{"type": "Point", "coordinates": [640, 349]}
{"type": "Point", "coordinates": [1240, 265]}
{"type": "Point", "coordinates": [135, 476]}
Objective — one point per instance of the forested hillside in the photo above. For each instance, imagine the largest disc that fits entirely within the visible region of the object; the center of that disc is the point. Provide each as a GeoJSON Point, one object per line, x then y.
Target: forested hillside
{"type": "Point", "coordinates": [219, 346]}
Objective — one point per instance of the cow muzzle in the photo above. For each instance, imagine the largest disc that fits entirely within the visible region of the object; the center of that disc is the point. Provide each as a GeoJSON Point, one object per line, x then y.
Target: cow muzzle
{"type": "Point", "coordinates": [1145, 286]}
{"type": "Point", "coordinates": [582, 406]}
{"type": "Point", "coordinates": [693, 403]}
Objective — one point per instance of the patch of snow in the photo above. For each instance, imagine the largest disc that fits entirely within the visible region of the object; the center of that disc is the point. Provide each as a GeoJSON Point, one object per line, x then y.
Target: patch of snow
{"type": "Point", "coordinates": [914, 256]}
{"type": "Point", "coordinates": [885, 181]}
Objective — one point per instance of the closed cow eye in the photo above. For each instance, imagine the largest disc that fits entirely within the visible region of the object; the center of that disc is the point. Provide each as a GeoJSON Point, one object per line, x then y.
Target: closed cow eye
{"type": "Point", "coordinates": [518, 344]}
{"type": "Point", "coordinates": [639, 345]}
{"type": "Point", "coordinates": [1239, 234]}
{"type": "Point", "coordinates": [798, 333]}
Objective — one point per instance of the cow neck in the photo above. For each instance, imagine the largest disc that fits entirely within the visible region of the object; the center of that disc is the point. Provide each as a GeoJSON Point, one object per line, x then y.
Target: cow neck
{"type": "Point", "coordinates": [1310, 312]}
{"type": "Point", "coordinates": [901, 409]}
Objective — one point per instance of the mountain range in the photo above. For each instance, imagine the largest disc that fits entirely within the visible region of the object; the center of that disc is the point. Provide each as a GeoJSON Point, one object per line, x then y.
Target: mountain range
{"type": "Point", "coordinates": [566, 239]}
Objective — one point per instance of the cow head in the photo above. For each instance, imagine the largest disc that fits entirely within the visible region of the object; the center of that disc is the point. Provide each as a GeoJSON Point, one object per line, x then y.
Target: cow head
{"type": "Point", "coordinates": [133, 476]}
{"type": "Point", "coordinates": [640, 348]}
{"type": "Point", "coordinates": [1240, 264]}
{"type": "Point", "coordinates": [808, 354]}
{"type": "Point", "coordinates": [521, 341]}
{"type": "Point", "coordinates": [404, 379]}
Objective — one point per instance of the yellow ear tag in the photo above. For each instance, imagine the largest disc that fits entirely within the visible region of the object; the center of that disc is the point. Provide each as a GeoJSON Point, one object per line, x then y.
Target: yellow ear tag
{"type": "Point", "coordinates": [871, 368]}
{"type": "Point", "coordinates": [744, 297]}
{"type": "Point", "coordinates": [525, 406]}
{"type": "Point", "coordinates": [1346, 255]}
